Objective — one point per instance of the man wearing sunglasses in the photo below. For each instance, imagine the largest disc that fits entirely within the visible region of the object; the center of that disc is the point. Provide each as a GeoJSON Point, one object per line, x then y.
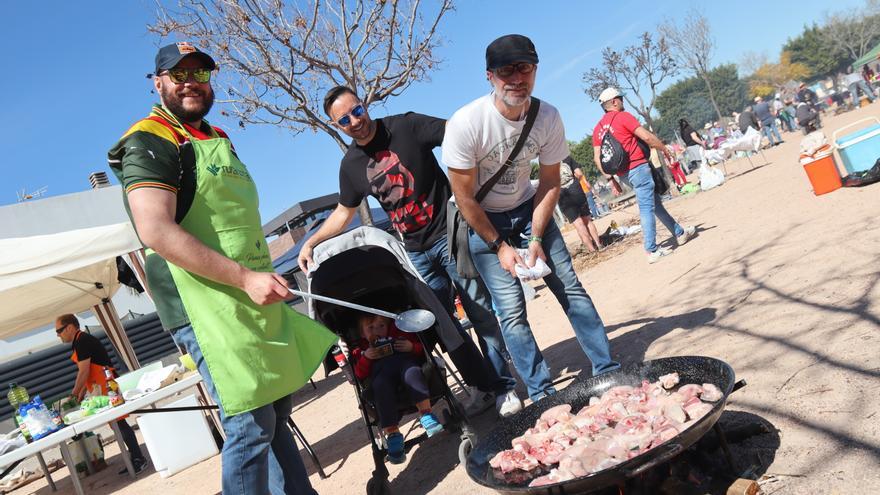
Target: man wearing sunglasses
{"type": "Point", "coordinates": [392, 159]}
{"type": "Point", "coordinates": [515, 214]}
{"type": "Point", "coordinates": [194, 205]}
{"type": "Point", "coordinates": [91, 358]}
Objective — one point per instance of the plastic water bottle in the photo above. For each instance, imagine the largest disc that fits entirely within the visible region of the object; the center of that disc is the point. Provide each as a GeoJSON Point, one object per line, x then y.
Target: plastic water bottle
{"type": "Point", "coordinates": [17, 395]}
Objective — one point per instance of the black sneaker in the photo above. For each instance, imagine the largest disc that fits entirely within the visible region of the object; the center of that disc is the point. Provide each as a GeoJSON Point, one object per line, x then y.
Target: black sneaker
{"type": "Point", "coordinates": [139, 466]}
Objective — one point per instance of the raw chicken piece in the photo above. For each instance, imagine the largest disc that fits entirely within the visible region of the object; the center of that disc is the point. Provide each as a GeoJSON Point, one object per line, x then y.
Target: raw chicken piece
{"type": "Point", "coordinates": [669, 381]}
{"type": "Point", "coordinates": [690, 390]}
{"type": "Point", "coordinates": [673, 410]}
{"type": "Point", "coordinates": [512, 459]}
{"type": "Point", "coordinates": [696, 408]}
{"type": "Point", "coordinates": [547, 453]}
{"type": "Point", "coordinates": [711, 393]}
{"type": "Point", "coordinates": [551, 415]}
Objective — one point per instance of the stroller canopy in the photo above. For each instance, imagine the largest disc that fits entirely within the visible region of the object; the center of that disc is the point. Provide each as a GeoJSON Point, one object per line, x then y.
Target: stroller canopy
{"type": "Point", "coordinates": [370, 267]}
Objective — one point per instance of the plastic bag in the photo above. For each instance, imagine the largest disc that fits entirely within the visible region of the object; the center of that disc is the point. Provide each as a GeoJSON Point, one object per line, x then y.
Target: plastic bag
{"type": "Point", "coordinates": [710, 177]}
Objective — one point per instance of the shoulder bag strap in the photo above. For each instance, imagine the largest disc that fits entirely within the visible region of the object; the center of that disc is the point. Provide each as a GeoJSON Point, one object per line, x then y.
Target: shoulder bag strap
{"type": "Point", "coordinates": [530, 120]}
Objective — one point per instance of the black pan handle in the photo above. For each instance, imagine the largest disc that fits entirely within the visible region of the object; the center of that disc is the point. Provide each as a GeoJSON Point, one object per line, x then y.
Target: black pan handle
{"type": "Point", "coordinates": [739, 384]}
{"type": "Point", "coordinates": [670, 451]}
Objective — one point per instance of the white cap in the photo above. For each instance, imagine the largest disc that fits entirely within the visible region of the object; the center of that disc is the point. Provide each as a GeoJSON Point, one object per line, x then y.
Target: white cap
{"type": "Point", "coordinates": [608, 94]}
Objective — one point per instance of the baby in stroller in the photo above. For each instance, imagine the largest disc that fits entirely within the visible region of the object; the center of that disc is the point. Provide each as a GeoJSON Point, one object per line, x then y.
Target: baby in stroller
{"type": "Point", "coordinates": [391, 358]}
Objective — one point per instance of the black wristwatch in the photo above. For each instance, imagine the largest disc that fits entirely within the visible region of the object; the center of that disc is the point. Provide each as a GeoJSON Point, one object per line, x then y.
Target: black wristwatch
{"type": "Point", "coordinates": [495, 245]}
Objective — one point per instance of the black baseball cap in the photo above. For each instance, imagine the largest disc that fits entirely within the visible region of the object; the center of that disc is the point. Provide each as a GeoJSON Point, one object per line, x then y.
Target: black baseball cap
{"type": "Point", "coordinates": [171, 55]}
{"type": "Point", "coordinates": [510, 49]}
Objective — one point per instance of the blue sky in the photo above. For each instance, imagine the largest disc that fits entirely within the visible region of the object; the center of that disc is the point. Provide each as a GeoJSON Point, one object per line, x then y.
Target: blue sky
{"type": "Point", "coordinates": [75, 80]}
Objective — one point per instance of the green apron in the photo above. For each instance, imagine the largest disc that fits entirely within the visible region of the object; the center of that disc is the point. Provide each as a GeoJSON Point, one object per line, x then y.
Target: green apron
{"type": "Point", "coordinates": [255, 354]}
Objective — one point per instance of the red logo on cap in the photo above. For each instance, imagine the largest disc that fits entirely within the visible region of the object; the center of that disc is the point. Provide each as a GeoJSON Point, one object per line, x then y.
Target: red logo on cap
{"type": "Point", "coordinates": [185, 47]}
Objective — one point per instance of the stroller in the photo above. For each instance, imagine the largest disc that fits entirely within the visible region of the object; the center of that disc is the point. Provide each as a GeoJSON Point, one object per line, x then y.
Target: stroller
{"type": "Point", "coordinates": [370, 267]}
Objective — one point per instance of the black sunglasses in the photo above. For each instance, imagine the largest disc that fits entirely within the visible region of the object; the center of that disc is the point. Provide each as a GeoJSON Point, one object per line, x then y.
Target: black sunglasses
{"type": "Point", "coordinates": [180, 76]}
{"type": "Point", "coordinates": [357, 112]}
{"type": "Point", "coordinates": [59, 330]}
{"type": "Point", "coordinates": [508, 70]}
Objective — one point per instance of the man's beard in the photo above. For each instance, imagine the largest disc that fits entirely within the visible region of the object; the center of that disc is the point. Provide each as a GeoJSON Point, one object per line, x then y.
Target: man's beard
{"type": "Point", "coordinates": [174, 104]}
{"type": "Point", "coordinates": [515, 101]}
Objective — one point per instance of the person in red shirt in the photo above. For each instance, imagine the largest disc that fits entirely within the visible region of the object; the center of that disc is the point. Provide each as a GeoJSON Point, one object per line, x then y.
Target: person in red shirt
{"type": "Point", "coordinates": [628, 131]}
{"type": "Point", "coordinates": [389, 358]}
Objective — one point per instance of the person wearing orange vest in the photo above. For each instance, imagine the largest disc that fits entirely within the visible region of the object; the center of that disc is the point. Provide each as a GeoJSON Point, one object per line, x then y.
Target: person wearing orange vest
{"type": "Point", "coordinates": [91, 359]}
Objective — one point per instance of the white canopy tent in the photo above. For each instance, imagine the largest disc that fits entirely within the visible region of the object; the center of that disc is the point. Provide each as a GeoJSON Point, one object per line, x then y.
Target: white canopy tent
{"type": "Point", "coordinates": [59, 256]}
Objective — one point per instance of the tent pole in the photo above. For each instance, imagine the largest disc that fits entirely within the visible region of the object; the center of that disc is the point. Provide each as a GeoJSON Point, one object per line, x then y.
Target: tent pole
{"type": "Point", "coordinates": [113, 327]}
{"type": "Point", "coordinates": [136, 258]}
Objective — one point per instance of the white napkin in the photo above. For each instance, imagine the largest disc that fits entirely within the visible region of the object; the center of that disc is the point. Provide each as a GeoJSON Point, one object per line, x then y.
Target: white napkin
{"type": "Point", "coordinates": [540, 270]}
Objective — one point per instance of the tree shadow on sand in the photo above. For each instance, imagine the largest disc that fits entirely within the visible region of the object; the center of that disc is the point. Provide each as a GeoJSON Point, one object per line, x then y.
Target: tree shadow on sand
{"type": "Point", "coordinates": [631, 346]}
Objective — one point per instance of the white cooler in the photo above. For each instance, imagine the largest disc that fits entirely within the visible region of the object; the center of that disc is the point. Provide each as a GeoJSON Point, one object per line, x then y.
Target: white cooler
{"type": "Point", "coordinates": [177, 440]}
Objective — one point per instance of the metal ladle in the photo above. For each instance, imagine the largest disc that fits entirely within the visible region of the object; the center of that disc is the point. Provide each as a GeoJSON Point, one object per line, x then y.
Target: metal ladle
{"type": "Point", "coordinates": [410, 321]}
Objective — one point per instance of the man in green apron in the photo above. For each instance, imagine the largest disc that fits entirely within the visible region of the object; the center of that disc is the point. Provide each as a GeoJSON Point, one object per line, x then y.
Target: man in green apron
{"type": "Point", "coordinates": [195, 208]}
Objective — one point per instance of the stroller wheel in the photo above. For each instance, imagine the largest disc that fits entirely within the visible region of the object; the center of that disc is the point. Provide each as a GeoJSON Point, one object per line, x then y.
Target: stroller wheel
{"type": "Point", "coordinates": [449, 421]}
{"type": "Point", "coordinates": [378, 486]}
{"type": "Point", "coordinates": [464, 448]}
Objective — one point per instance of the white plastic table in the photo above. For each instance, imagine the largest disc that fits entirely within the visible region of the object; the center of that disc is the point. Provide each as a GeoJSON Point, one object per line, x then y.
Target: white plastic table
{"type": "Point", "coordinates": [111, 415]}
{"type": "Point", "coordinates": [57, 439]}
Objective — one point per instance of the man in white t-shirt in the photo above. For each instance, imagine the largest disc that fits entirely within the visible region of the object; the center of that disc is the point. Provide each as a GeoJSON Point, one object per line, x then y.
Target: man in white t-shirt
{"type": "Point", "coordinates": [515, 214]}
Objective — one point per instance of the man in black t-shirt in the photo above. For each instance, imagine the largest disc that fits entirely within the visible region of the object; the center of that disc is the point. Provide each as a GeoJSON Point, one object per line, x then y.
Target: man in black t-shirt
{"type": "Point", "coordinates": [91, 359]}
{"type": "Point", "coordinates": [392, 160]}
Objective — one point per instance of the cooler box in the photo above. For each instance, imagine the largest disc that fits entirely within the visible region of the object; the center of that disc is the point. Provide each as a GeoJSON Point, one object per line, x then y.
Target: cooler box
{"type": "Point", "coordinates": [177, 440]}
{"type": "Point", "coordinates": [859, 150]}
{"type": "Point", "coordinates": [823, 174]}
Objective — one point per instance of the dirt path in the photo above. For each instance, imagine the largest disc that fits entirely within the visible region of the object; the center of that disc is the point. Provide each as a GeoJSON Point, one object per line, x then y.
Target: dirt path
{"type": "Point", "coordinates": [781, 284]}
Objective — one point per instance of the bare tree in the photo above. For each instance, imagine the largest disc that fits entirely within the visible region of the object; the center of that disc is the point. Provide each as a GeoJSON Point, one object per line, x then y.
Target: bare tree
{"type": "Point", "coordinates": [692, 46]}
{"type": "Point", "coordinates": [853, 32]}
{"type": "Point", "coordinates": [278, 58]}
{"type": "Point", "coordinates": [638, 71]}
{"type": "Point", "coordinates": [750, 61]}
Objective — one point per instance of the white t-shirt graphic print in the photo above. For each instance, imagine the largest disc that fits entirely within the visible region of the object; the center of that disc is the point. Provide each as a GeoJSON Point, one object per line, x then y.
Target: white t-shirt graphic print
{"type": "Point", "coordinates": [477, 135]}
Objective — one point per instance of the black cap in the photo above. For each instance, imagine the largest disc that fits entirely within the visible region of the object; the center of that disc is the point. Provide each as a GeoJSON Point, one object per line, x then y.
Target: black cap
{"type": "Point", "coordinates": [171, 55]}
{"type": "Point", "coordinates": [510, 49]}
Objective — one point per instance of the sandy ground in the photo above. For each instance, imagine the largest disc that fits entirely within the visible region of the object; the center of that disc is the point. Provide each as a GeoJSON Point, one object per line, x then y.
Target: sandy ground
{"type": "Point", "coordinates": [781, 284]}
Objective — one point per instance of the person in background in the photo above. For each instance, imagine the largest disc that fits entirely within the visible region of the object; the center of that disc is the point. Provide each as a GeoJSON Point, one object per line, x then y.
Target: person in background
{"type": "Point", "coordinates": [766, 117]}
{"type": "Point", "coordinates": [694, 144]}
{"type": "Point", "coordinates": [784, 117]}
{"type": "Point", "coordinates": [868, 75]}
{"type": "Point", "coordinates": [574, 206]}
{"type": "Point", "coordinates": [597, 208]}
{"type": "Point", "coordinates": [807, 118]}
{"type": "Point", "coordinates": [747, 119]}
{"type": "Point", "coordinates": [809, 97]}
{"type": "Point", "coordinates": [629, 132]}
{"type": "Point", "coordinates": [91, 360]}
{"type": "Point", "coordinates": [675, 168]}
{"type": "Point", "coordinates": [856, 83]}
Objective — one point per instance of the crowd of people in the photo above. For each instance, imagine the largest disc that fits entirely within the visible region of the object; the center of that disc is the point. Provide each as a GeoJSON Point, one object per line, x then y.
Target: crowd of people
{"type": "Point", "coordinates": [194, 206]}
{"type": "Point", "coordinates": [793, 111]}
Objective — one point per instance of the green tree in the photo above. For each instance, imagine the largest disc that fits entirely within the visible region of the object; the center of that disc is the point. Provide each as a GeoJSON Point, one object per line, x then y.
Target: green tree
{"type": "Point", "coordinates": [582, 152]}
{"type": "Point", "coordinates": [811, 49]}
{"type": "Point", "coordinates": [689, 99]}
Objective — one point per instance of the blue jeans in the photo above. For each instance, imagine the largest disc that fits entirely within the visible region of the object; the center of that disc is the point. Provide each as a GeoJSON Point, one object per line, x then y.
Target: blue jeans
{"type": "Point", "coordinates": [770, 130]}
{"type": "Point", "coordinates": [591, 202]}
{"type": "Point", "coordinates": [509, 300]}
{"type": "Point", "coordinates": [863, 86]}
{"type": "Point", "coordinates": [259, 455]}
{"type": "Point", "coordinates": [438, 270]}
{"type": "Point", "coordinates": [650, 205]}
